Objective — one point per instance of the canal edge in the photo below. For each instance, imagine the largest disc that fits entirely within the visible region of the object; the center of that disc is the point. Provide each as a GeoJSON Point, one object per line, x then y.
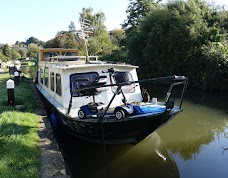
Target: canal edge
{"type": "Point", "coordinates": [52, 163]}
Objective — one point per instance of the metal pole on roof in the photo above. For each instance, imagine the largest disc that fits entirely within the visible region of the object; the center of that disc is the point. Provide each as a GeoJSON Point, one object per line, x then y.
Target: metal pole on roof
{"type": "Point", "coordinates": [86, 50]}
{"type": "Point", "coordinates": [86, 30]}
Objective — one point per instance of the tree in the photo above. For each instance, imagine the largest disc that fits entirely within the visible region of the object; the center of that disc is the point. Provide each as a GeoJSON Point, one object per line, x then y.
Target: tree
{"type": "Point", "coordinates": [182, 38]}
{"type": "Point", "coordinates": [15, 55]}
{"type": "Point", "coordinates": [119, 52]}
{"type": "Point", "coordinates": [117, 37]}
{"type": "Point", "coordinates": [97, 20]}
{"type": "Point", "coordinates": [22, 52]}
{"type": "Point", "coordinates": [63, 39]}
{"type": "Point", "coordinates": [35, 41]}
{"type": "Point", "coordinates": [6, 50]}
{"type": "Point", "coordinates": [33, 49]}
{"type": "Point", "coordinates": [99, 42]}
{"type": "Point", "coordinates": [32, 40]}
{"type": "Point", "coordinates": [3, 57]}
{"type": "Point", "coordinates": [136, 11]}
{"type": "Point", "coordinates": [71, 27]}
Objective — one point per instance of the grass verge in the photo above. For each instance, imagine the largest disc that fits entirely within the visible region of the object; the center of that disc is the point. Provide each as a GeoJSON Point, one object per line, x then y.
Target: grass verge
{"type": "Point", "coordinates": [19, 154]}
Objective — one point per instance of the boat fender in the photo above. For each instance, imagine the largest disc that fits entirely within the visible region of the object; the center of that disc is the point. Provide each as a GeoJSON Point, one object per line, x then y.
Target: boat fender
{"type": "Point", "coordinates": [170, 104]}
{"type": "Point", "coordinates": [54, 122]}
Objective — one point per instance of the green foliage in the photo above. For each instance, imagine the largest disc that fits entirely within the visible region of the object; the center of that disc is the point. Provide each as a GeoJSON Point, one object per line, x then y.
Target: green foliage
{"type": "Point", "coordinates": [182, 38]}
{"type": "Point", "coordinates": [117, 37]}
{"type": "Point", "coordinates": [97, 20]}
{"type": "Point", "coordinates": [3, 57]}
{"type": "Point", "coordinates": [119, 55]}
{"type": "Point", "coordinates": [19, 48]}
{"type": "Point", "coordinates": [6, 50]}
{"type": "Point", "coordinates": [215, 71]}
{"type": "Point", "coordinates": [99, 42]}
{"type": "Point", "coordinates": [71, 26]}
{"type": "Point", "coordinates": [15, 55]}
{"type": "Point", "coordinates": [136, 11]}
{"type": "Point", "coordinates": [33, 49]}
{"type": "Point", "coordinates": [22, 52]}
{"type": "Point", "coordinates": [35, 41]}
{"type": "Point", "coordinates": [63, 39]}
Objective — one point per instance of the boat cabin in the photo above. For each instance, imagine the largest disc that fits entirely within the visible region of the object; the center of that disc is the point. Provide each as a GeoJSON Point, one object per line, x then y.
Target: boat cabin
{"type": "Point", "coordinates": [62, 75]}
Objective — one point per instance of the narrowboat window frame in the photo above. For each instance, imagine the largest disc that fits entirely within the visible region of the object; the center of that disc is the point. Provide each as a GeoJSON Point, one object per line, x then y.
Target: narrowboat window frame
{"type": "Point", "coordinates": [46, 77]}
{"type": "Point", "coordinates": [52, 81]}
{"type": "Point", "coordinates": [41, 74]}
{"type": "Point", "coordinates": [58, 85]}
{"type": "Point", "coordinates": [73, 85]}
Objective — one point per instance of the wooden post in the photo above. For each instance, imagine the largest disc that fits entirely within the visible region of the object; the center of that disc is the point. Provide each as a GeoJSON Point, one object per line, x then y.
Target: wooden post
{"type": "Point", "coordinates": [10, 92]}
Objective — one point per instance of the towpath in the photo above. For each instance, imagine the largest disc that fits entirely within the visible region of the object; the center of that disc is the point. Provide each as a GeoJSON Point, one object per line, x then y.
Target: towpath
{"type": "Point", "coordinates": [52, 162]}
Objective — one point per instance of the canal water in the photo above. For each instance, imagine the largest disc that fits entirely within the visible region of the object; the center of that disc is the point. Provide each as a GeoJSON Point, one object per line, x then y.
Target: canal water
{"type": "Point", "coordinates": [193, 144]}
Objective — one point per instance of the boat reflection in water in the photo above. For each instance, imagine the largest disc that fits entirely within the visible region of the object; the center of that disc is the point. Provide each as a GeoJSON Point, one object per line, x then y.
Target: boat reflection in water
{"type": "Point", "coordinates": [149, 158]}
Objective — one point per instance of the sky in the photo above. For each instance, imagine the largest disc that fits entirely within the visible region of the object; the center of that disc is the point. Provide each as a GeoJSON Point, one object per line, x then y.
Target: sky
{"type": "Point", "coordinates": [42, 19]}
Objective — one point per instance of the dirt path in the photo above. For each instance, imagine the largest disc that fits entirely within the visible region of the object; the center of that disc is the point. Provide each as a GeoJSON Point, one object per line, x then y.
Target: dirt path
{"type": "Point", "coordinates": [52, 162]}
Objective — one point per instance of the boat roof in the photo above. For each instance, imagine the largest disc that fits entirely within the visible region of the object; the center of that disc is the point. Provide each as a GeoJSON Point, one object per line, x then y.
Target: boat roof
{"type": "Point", "coordinates": [58, 49]}
{"type": "Point", "coordinates": [81, 64]}
{"type": "Point", "coordinates": [65, 60]}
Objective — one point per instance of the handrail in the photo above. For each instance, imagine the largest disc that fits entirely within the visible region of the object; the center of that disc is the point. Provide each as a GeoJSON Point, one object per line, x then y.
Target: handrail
{"type": "Point", "coordinates": [173, 77]}
{"type": "Point", "coordinates": [185, 82]}
{"type": "Point", "coordinates": [181, 80]}
{"type": "Point", "coordinates": [92, 58]}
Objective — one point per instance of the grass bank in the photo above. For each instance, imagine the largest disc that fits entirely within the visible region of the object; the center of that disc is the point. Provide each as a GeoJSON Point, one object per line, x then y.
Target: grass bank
{"type": "Point", "coordinates": [19, 154]}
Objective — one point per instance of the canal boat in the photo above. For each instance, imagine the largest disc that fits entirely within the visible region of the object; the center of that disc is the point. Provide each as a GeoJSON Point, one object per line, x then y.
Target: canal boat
{"type": "Point", "coordinates": [101, 101]}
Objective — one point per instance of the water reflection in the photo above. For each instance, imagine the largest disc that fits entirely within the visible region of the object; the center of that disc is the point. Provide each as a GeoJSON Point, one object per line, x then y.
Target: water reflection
{"type": "Point", "coordinates": [193, 129]}
{"type": "Point", "coordinates": [204, 118]}
{"type": "Point", "coordinates": [197, 137]}
{"type": "Point", "coordinates": [213, 100]}
{"type": "Point", "coordinates": [148, 158]}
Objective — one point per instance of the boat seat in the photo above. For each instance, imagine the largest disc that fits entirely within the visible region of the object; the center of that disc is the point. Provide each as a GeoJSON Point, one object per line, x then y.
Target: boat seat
{"type": "Point", "coordinates": [90, 87]}
{"type": "Point", "coordinates": [95, 107]}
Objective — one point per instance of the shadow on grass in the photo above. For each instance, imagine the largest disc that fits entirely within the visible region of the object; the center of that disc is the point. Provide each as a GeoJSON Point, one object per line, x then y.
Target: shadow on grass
{"type": "Point", "coordinates": [7, 129]}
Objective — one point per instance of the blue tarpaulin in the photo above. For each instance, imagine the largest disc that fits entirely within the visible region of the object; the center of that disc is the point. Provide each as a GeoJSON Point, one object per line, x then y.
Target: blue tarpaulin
{"type": "Point", "coordinates": [148, 109]}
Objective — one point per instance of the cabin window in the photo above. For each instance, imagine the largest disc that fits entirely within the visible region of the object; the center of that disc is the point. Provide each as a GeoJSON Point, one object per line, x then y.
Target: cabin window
{"type": "Point", "coordinates": [127, 88]}
{"type": "Point", "coordinates": [46, 76]}
{"type": "Point", "coordinates": [47, 55]}
{"type": "Point", "coordinates": [123, 77]}
{"type": "Point", "coordinates": [69, 54]}
{"type": "Point", "coordinates": [58, 84]}
{"type": "Point", "coordinates": [85, 78]}
{"type": "Point", "coordinates": [52, 76]}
